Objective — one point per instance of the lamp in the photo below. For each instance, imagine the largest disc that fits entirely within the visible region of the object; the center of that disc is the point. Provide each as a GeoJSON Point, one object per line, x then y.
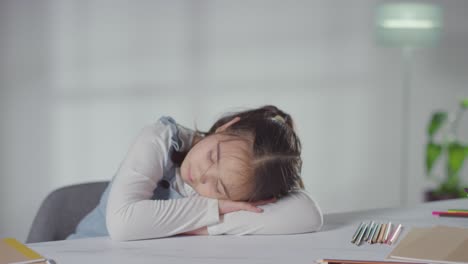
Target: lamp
{"type": "Point", "coordinates": [407, 26]}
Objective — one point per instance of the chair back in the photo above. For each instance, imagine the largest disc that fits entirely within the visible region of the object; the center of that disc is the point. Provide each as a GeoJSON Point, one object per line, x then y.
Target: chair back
{"type": "Point", "coordinates": [63, 209]}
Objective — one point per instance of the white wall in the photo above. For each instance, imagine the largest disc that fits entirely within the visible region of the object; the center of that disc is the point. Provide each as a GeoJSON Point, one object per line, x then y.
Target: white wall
{"type": "Point", "coordinates": [80, 78]}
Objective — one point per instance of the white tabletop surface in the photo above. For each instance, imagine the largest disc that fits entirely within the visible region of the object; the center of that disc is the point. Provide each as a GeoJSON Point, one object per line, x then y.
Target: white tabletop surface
{"type": "Point", "coordinates": [332, 242]}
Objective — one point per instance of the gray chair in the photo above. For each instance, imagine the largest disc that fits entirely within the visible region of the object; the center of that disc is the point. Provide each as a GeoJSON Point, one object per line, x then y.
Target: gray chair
{"type": "Point", "coordinates": [62, 210]}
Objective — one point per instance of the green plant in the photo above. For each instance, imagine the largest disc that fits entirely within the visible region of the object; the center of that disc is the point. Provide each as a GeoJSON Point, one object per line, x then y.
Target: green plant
{"type": "Point", "coordinates": [449, 148]}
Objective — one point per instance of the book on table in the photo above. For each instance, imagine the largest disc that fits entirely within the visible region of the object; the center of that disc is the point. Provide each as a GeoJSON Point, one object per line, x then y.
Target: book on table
{"type": "Point", "coordinates": [14, 252]}
{"type": "Point", "coordinates": [439, 244]}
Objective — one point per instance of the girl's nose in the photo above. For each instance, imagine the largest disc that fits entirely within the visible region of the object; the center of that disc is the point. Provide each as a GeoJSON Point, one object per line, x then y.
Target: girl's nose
{"type": "Point", "coordinates": [206, 176]}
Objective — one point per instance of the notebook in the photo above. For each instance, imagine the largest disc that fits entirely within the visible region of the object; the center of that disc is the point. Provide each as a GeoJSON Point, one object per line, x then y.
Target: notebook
{"type": "Point", "coordinates": [439, 244]}
{"type": "Point", "coordinates": [13, 251]}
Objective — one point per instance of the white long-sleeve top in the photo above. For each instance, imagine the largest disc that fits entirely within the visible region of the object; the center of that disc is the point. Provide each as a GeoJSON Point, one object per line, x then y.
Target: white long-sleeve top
{"type": "Point", "coordinates": [131, 213]}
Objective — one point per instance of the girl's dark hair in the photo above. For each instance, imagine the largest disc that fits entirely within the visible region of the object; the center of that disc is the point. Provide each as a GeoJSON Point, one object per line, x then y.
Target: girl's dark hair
{"type": "Point", "coordinates": [277, 162]}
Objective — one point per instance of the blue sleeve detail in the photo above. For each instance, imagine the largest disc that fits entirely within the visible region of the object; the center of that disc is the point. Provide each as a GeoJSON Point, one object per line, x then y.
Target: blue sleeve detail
{"type": "Point", "coordinates": [167, 120]}
{"type": "Point", "coordinates": [176, 142]}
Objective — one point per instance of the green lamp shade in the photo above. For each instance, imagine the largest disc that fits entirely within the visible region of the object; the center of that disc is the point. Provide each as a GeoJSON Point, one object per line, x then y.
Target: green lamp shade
{"type": "Point", "coordinates": [408, 24]}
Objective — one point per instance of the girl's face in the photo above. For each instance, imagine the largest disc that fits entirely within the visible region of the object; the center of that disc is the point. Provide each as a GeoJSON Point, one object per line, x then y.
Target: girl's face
{"type": "Point", "coordinates": [213, 167]}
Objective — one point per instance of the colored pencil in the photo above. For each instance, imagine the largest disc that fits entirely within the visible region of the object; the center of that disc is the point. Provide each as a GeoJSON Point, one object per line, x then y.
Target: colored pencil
{"type": "Point", "coordinates": [361, 235]}
{"type": "Point", "coordinates": [372, 234]}
{"type": "Point", "coordinates": [376, 234]}
{"type": "Point", "coordinates": [358, 230]}
{"type": "Point", "coordinates": [369, 230]}
{"type": "Point", "coordinates": [458, 210]}
{"type": "Point", "coordinates": [456, 214]}
{"type": "Point", "coordinates": [382, 233]}
{"type": "Point", "coordinates": [395, 235]}
{"type": "Point", "coordinates": [387, 232]}
{"type": "Point", "coordinates": [350, 261]}
{"type": "Point", "coordinates": [379, 239]}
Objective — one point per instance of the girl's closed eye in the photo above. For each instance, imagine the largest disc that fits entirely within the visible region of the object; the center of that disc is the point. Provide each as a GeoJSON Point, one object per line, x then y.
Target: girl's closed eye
{"type": "Point", "coordinates": [220, 191]}
{"type": "Point", "coordinates": [212, 156]}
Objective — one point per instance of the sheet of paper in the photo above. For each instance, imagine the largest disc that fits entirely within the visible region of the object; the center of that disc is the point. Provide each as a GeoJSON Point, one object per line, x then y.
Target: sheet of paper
{"type": "Point", "coordinates": [441, 244]}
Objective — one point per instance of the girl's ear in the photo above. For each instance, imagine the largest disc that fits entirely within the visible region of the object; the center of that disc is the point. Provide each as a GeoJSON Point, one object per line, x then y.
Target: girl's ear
{"type": "Point", "coordinates": [228, 124]}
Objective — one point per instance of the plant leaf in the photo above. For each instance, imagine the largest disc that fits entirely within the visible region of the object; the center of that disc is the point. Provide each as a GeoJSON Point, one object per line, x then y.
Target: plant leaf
{"type": "Point", "coordinates": [456, 156]}
{"type": "Point", "coordinates": [464, 103]}
{"type": "Point", "coordinates": [437, 120]}
{"type": "Point", "coordinates": [432, 153]}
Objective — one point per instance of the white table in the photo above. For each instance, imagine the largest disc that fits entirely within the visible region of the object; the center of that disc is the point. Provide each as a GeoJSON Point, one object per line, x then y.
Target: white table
{"type": "Point", "coordinates": [332, 242]}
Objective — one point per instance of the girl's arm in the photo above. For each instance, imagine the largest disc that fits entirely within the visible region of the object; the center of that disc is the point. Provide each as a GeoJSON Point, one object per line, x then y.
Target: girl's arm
{"type": "Point", "coordinates": [293, 214]}
{"type": "Point", "coordinates": [228, 206]}
{"type": "Point", "coordinates": [131, 214]}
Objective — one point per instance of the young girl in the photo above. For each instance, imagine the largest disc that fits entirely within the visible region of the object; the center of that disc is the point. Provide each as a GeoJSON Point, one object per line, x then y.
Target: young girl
{"type": "Point", "coordinates": [178, 181]}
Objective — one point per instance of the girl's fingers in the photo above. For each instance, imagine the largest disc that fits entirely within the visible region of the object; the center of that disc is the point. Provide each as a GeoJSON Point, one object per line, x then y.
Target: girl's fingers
{"type": "Point", "coordinates": [226, 206]}
{"type": "Point", "coordinates": [252, 208]}
{"type": "Point", "coordinates": [271, 200]}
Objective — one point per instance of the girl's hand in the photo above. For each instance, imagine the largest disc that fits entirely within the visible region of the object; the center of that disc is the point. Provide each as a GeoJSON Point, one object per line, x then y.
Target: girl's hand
{"type": "Point", "coordinates": [228, 206]}
{"type": "Point", "coordinates": [202, 231]}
